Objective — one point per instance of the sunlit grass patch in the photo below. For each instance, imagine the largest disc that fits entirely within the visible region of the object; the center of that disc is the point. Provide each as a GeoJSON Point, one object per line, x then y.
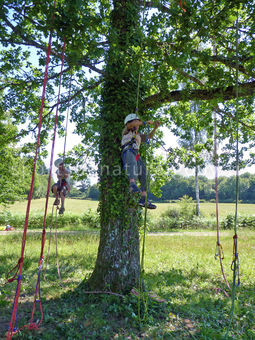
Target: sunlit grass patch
{"type": "Point", "coordinates": [181, 269]}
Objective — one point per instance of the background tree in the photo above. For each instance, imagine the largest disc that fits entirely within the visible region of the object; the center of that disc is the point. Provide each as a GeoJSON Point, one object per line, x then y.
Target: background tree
{"type": "Point", "coordinates": [195, 146]}
{"type": "Point", "coordinates": [14, 168]}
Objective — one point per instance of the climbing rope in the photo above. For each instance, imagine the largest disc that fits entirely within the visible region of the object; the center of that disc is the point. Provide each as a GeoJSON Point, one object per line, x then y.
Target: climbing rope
{"type": "Point", "coordinates": [14, 315]}
{"type": "Point", "coordinates": [56, 239]}
{"type": "Point", "coordinates": [46, 203]}
{"type": "Point", "coordinates": [218, 250]}
{"type": "Point", "coordinates": [142, 296]}
{"type": "Point", "coordinates": [140, 63]}
{"type": "Point", "coordinates": [56, 210]}
{"type": "Point", "coordinates": [67, 113]}
{"type": "Point", "coordinates": [235, 260]}
{"type": "Point", "coordinates": [49, 244]}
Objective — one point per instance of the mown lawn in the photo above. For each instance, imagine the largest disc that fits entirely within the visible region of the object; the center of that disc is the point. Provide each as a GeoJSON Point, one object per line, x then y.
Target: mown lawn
{"type": "Point", "coordinates": [71, 205]}
{"type": "Point", "coordinates": [181, 269]}
{"type": "Point", "coordinates": [77, 206]}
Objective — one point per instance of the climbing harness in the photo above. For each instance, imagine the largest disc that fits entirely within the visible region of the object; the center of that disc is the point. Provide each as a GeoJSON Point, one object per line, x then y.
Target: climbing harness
{"type": "Point", "coordinates": [130, 146]}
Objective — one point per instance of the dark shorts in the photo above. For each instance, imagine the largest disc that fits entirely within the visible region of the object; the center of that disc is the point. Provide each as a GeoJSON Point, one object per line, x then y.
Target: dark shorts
{"type": "Point", "coordinates": [135, 167]}
{"type": "Point", "coordinates": [62, 186]}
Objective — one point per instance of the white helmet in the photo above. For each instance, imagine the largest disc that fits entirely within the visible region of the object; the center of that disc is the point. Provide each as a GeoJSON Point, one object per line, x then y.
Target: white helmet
{"type": "Point", "coordinates": [131, 116]}
{"type": "Point", "coordinates": [58, 162]}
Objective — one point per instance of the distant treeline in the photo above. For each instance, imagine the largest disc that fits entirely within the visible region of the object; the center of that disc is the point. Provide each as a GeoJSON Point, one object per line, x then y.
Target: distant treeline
{"type": "Point", "coordinates": [179, 186]}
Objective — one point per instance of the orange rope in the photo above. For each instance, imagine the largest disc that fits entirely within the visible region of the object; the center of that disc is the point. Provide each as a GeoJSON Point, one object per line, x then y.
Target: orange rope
{"type": "Point", "coordinates": [180, 3]}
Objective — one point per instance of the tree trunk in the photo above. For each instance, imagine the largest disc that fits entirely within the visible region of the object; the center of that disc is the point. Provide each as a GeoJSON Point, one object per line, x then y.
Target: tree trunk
{"type": "Point", "coordinates": [197, 192]}
{"type": "Point", "coordinates": [118, 265]}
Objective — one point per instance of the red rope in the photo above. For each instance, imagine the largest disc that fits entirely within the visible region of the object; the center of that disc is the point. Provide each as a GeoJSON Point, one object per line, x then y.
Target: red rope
{"type": "Point", "coordinates": [20, 262]}
{"type": "Point", "coordinates": [52, 154]}
{"type": "Point", "coordinates": [67, 113]}
{"type": "Point", "coordinates": [48, 188]}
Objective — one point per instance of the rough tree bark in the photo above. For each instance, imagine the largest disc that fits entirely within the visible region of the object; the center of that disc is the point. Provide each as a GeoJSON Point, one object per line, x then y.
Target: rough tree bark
{"type": "Point", "coordinates": [118, 265]}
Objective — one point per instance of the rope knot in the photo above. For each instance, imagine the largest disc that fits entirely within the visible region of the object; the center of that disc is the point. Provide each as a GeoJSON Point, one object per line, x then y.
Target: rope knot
{"type": "Point", "coordinates": [9, 280]}
{"type": "Point", "coordinates": [21, 260]}
{"type": "Point", "coordinates": [33, 326]}
{"type": "Point", "coordinates": [41, 261]}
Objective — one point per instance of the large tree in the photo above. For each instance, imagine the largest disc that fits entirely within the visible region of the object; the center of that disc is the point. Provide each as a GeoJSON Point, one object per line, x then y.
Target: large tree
{"type": "Point", "coordinates": [108, 46]}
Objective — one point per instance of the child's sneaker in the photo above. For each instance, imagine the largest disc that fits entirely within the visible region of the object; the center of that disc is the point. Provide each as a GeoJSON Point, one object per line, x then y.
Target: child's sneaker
{"type": "Point", "coordinates": [61, 210]}
{"type": "Point", "coordinates": [134, 188]}
{"type": "Point", "coordinates": [149, 204]}
{"type": "Point", "coordinates": [56, 202]}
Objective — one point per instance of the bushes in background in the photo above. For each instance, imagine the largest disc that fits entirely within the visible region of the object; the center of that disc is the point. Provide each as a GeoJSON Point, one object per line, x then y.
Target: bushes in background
{"type": "Point", "coordinates": [171, 219]}
{"type": "Point", "coordinates": [89, 219]}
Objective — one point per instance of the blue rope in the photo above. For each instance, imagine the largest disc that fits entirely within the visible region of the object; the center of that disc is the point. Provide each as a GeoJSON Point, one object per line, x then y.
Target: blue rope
{"type": "Point", "coordinates": [17, 314]}
{"type": "Point", "coordinates": [38, 286]}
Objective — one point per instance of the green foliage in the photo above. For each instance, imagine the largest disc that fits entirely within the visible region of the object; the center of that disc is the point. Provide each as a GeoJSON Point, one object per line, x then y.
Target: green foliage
{"type": "Point", "coordinates": [93, 192]}
{"type": "Point", "coordinates": [15, 175]}
{"type": "Point", "coordinates": [87, 220]}
{"type": "Point", "coordinates": [243, 221]}
{"type": "Point", "coordinates": [228, 222]}
{"type": "Point", "coordinates": [179, 186]}
{"type": "Point", "coordinates": [90, 219]}
{"type": "Point", "coordinates": [186, 207]}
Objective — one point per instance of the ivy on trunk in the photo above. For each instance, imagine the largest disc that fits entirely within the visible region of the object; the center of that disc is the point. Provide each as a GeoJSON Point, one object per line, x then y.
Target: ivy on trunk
{"type": "Point", "coordinates": [118, 264]}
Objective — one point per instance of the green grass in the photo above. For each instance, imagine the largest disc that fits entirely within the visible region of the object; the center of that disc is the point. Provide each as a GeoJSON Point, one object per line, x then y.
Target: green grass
{"type": "Point", "coordinates": [208, 209]}
{"type": "Point", "coordinates": [179, 268]}
{"type": "Point", "coordinates": [77, 206]}
{"type": "Point", "coordinates": [71, 205]}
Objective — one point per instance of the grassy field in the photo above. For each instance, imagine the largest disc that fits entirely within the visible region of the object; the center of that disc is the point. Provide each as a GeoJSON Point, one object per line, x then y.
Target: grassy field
{"type": "Point", "coordinates": [79, 206]}
{"type": "Point", "coordinates": [179, 268]}
{"type": "Point", "coordinates": [71, 205]}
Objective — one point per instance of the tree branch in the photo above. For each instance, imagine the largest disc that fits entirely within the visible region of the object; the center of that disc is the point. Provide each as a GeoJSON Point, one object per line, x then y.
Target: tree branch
{"type": "Point", "coordinates": [217, 58]}
{"type": "Point", "coordinates": [29, 42]}
{"type": "Point", "coordinates": [66, 100]}
{"type": "Point", "coordinates": [152, 4]}
{"type": "Point", "coordinates": [222, 113]}
{"type": "Point", "coordinates": [156, 100]}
